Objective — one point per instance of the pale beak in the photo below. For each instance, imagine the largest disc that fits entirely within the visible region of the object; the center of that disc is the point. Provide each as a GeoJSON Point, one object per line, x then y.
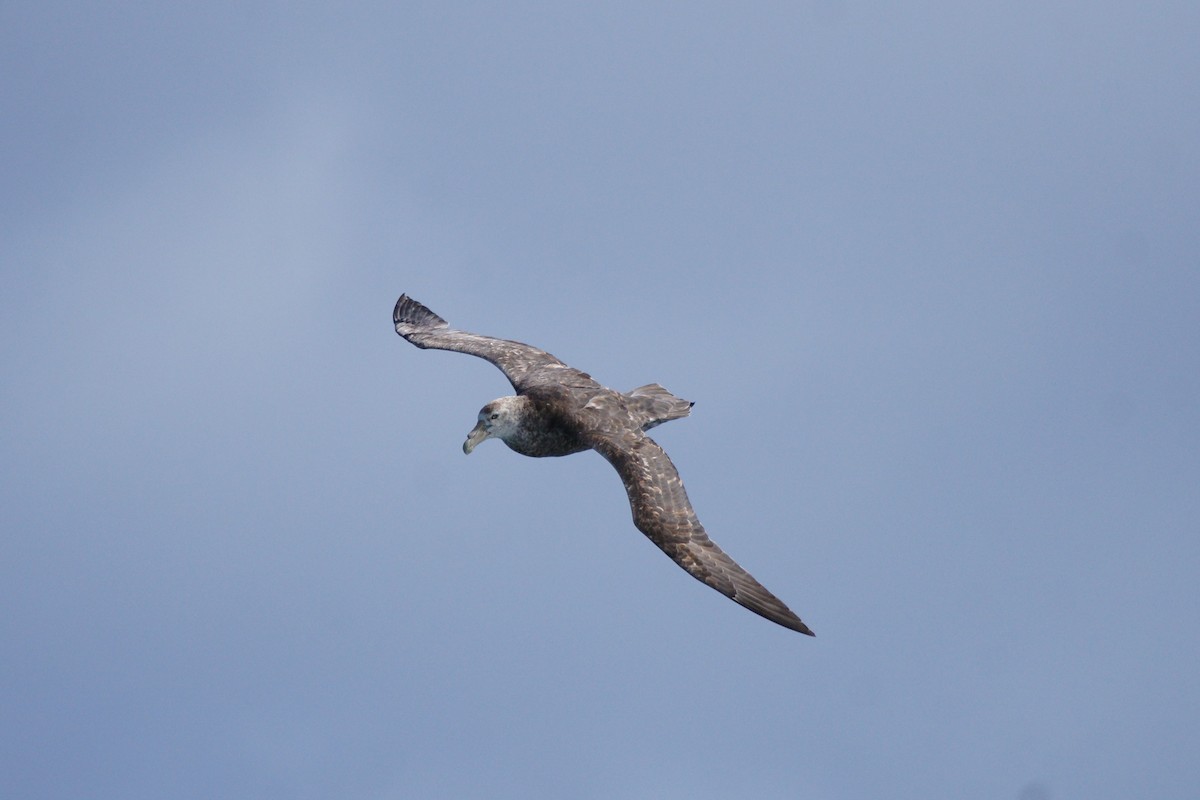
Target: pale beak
{"type": "Point", "coordinates": [477, 435]}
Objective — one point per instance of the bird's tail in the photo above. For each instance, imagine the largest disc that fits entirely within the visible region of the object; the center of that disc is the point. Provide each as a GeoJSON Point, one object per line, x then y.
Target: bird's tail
{"type": "Point", "coordinates": [654, 405]}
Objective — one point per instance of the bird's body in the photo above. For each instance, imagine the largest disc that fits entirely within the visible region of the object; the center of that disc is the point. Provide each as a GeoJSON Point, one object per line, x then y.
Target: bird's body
{"type": "Point", "coordinates": [559, 410]}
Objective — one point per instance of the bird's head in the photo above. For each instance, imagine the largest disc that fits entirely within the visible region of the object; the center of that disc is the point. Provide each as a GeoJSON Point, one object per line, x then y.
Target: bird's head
{"type": "Point", "coordinates": [497, 420]}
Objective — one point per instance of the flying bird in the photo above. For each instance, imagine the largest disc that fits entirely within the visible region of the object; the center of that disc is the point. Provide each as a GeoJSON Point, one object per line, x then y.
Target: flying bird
{"type": "Point", "coordinates": [559, 410]}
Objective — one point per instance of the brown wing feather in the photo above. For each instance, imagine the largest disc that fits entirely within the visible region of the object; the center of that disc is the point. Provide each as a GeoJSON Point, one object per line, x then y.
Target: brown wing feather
{"type": "Point", "coordinates": [518, 361]}
{"type": "Point", "coordinates": [661, 510]}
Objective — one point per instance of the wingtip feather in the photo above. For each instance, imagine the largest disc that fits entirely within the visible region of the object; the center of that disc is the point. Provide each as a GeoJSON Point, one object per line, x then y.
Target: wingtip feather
{"type": "Point", "coordinates": [786, 618]}
{"type": "Point", "coordinates": [410, 315]}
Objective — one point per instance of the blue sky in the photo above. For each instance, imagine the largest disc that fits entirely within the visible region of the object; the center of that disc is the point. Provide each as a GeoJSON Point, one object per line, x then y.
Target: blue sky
{"type": "Point", "coordinates": [930, 272]}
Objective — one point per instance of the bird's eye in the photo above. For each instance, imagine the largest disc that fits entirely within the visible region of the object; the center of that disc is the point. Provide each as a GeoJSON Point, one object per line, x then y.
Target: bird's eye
{"type": "Point", "coordinates": [495, 416]}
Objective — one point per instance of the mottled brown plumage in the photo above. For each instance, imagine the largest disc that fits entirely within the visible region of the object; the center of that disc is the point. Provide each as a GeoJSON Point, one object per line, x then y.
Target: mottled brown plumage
{"type": "Point", "coordinates": [559, 410]}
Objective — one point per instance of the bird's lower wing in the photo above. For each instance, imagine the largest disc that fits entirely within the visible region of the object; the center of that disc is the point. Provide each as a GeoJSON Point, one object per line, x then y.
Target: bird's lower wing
{"type": "Point", "coordinates": [661, 510]}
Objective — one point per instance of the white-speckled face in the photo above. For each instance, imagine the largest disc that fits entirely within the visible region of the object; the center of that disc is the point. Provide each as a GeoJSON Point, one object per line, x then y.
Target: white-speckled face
{"type": "Point", "coordinates": [496, 421]}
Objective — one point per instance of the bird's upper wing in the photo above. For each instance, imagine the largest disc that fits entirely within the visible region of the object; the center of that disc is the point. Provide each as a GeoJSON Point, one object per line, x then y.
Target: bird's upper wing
{"type": "Point", "coordinates": [661, 510]}
{"type": "Point", "coordinates": [518, 361]}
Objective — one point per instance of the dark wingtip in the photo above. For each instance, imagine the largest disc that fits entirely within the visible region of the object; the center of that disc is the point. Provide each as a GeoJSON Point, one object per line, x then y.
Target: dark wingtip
{"type": "Point", "coordinates": [398, 311]}
{"type": "Point", "coordinates": [771, 608]}
{"type": "Point", "coordinates": [792, 622]}
{"type": "Point", "coordinates": [414, 316]}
